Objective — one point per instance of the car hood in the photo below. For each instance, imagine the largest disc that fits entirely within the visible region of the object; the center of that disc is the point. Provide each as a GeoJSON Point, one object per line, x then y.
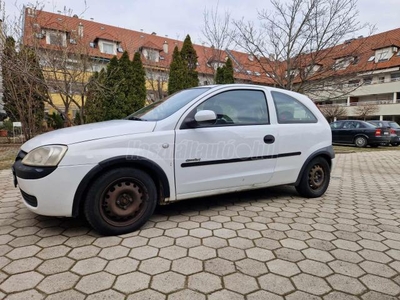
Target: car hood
{"type": "Point", "coordinates": [94, 131]}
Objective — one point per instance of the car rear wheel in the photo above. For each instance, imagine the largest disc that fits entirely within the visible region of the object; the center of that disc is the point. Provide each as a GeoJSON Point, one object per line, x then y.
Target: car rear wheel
{"type": "Point", "coordinates": [315, 178]}
{"type": "Point", "coordinates": [360, 142]}
{"type": "Point", "coordinates": [395, 144]}
{"type": "Point", "coordinates": [120, 201]}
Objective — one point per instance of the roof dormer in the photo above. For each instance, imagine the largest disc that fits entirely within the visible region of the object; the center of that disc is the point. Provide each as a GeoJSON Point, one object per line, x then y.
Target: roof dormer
{"type": "Point", "coordinates": [384, 54]}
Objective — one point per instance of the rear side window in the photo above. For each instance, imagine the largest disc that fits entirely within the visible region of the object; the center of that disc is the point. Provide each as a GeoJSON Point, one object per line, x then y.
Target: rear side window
{"type": "Point", "coordinates": [290, 110]}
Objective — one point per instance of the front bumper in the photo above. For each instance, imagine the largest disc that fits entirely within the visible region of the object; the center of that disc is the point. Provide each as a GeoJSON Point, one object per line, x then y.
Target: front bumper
{"type": "Point", "coordinates": [52, 194]}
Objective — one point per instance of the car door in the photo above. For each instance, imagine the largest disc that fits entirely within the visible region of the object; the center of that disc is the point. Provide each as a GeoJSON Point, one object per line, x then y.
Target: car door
{"type": "Point", "coordinates": [348, 132]}
{"type": "Point", "coordinates": [336, 128]}
{"type": "Point", "coordinates": [234, 152]}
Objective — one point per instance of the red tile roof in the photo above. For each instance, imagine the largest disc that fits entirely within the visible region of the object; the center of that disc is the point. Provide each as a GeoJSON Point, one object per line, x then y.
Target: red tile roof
{"type": "Point", "coordinates": [247, 67]}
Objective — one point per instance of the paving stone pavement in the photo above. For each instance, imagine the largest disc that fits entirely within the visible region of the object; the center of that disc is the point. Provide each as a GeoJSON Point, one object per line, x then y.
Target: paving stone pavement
{"type": "Point", "coordinates": [266, 244]}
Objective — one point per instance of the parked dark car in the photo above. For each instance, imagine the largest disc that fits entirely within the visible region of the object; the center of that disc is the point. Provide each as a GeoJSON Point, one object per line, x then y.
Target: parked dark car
{"type": "Point", "coordinates": [359, 133]}
{"type": "Point", "coordinates": [393, 127]}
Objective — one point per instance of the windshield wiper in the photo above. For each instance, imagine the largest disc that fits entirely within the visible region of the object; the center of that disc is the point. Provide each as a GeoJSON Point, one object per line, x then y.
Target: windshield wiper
{"type": "Point", "coordinates": [133, 118]}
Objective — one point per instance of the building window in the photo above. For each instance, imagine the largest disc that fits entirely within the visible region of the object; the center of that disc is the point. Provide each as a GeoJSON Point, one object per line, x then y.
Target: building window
{"type": "Point", "coordinates": [368, 80]}
{"type": "Point", "coordinates": [108, 48]}
{"type": "Point", "coordinates": [56, 38]}
{"type": "Point", "coordinates": [381, 79]}
{"type": "Point", "coordinates": [395, 77]}
{"type": "Point", "coordinates": [343, 63]}
{"type": "Point", "coordinates": [383, 54]}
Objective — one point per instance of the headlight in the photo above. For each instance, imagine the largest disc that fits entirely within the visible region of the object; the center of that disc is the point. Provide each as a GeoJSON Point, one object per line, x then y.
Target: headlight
{"type": "Point", "coordinates": [45, 156]}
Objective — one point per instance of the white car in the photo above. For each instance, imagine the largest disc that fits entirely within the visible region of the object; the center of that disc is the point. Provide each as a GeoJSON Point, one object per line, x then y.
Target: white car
{"type": "Point", "coordinates": [202, 141]}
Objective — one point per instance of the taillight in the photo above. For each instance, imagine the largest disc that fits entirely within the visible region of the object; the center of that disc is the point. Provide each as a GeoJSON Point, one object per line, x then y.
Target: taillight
{"type": "Point", "coordinates": [378, 132]}
{"type": "Point", "coordinates": [392, 131]}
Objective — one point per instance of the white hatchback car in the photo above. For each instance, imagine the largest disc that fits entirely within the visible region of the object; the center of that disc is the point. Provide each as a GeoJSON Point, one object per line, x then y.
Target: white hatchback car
{"type": "Point", "coordinates": [202, 141]}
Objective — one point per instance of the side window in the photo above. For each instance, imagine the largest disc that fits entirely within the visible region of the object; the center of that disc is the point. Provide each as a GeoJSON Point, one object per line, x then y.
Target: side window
{"type": "Point", "coordinates": [349, 125]}
{"type": "Point", "coordinates": [289, 110]}
{"type": "Point", "coordinates": [238, 107]}
{"type": "Point", "coordinates": [336, 125]}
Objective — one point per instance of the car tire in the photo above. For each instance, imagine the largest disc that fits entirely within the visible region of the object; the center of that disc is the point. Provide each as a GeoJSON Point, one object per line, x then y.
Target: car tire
{"type": "Point", "coordinates": [360, 142]}
{"type": "Point", "coordinates": [315, 178]}
{"type": "Point", "coordinates": [394, 144]}
{"type": "Point", "coordinates": [120, 201]}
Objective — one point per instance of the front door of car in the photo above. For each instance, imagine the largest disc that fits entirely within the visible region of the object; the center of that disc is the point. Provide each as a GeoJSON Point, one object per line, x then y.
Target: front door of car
{"type": "Point", "coordinates": [235, 151]}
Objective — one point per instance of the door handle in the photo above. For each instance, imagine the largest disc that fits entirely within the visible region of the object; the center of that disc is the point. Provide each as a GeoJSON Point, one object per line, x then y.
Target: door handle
{"type": "Point", "coordinates": [269, 139]}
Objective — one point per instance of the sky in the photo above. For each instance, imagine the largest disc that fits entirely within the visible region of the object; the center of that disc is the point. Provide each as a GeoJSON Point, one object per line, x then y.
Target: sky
{"type": "Point", "coordinates": [176, 18]}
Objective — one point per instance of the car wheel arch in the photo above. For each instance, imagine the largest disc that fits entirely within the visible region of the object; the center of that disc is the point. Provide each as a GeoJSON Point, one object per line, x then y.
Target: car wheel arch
{"type": "Point", "coordinates": [327, 153]}
{"type": "Point", "coordinates": [138, 162]}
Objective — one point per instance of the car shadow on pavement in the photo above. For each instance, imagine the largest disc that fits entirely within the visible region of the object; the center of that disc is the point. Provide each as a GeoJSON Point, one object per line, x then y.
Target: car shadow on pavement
{"type": "Point", "coordinates": [231, 201]}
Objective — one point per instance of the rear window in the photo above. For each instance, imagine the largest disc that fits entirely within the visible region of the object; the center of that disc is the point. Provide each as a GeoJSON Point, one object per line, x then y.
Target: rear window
{"type": "Point", "coordinates": [394, 125]}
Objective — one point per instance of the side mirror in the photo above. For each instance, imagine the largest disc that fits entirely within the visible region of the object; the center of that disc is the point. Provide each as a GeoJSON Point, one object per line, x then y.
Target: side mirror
{"type": "Point", "coordinates": [205, 117]}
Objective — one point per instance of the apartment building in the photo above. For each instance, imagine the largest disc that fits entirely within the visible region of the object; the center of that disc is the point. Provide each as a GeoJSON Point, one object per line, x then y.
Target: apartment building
{"type": "Point", "coordinates": [371, 76]}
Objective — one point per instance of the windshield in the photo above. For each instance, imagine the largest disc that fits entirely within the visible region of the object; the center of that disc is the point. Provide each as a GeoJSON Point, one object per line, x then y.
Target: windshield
{"type": "Point", "coordinates": [162, 109]}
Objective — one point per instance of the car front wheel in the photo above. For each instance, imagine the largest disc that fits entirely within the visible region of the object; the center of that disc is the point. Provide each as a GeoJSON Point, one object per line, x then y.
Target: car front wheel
{"type": "Point", "coordinates": [120, 201]}
{"type": "Point", "coordinates": [315, 178]}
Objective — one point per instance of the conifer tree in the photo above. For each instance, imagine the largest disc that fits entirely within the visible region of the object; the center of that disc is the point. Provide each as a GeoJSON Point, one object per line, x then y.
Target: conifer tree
{"type": "Point", "coordinates": [138, 83]}
{"type": "Point", "coordinates": [228, 72]}
{"type": "Point", "coordinates": [176, 73]}
{"type": "Point", "coordinates": [224, 75]}
{"type": "Point", "coordinates": [189, 56]}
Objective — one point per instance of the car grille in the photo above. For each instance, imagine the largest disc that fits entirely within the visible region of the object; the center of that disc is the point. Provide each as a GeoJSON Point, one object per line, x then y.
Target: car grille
{"type": "Point", "coordinates": [31, 200]}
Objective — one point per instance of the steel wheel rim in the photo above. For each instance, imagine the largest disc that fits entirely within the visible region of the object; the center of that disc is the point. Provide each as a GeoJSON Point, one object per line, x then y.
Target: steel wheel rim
{"type": "Point", "coordinates": [360, 142]}
{"type": "Point", "coordinates": [123, 202]}
{"type": "Point", "coordinates": [316, 177]}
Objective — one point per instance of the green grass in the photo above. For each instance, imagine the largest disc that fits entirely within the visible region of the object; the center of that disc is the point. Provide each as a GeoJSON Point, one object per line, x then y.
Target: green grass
{"type": "Point", "coordinates": [7, 156]}
{"type": "Point", "coordinates": [354, 149]}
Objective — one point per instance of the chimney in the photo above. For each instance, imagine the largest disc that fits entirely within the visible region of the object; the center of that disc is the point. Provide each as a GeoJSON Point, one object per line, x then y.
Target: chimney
{"type": "Point", "coordinates": [80, 29]}
{"type": "Point", "coordinates": [165, 47]}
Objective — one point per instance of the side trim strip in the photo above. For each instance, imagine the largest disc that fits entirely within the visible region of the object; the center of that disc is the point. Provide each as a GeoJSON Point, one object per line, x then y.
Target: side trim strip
{"type": "Point", "coordinates": [235, 160]}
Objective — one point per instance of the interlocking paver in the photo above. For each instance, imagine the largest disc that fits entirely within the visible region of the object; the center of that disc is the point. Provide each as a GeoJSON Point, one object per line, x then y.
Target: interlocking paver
{"type": "Point", "coordinates": [58, 282]}
{"type": "Point", "coordinates": [204, 282]}
{"type": "Point", "coordinates": [251, 267]}
{"type": "Point", "coordinates": [168, 282]}
{"type": "Point", "coordinates": [274, 245]}
{"type": "Point", "coordinates": [20, 282]}
{"type": "Point", "coordinates": [97, 282]}
{"type": "Point", "coordinates": [276, 284]}
{"type": "Point", "coordinates": [89, 265]}
{"type": "Point", "coordinates": [346, 284]}
{"type": "Point", "coordinates": [380, 284]}
{"type": "Point", "coordinates": [240, 283]}
{"type": "Point", "coordinates": [132, 282]}
{"type": "Point", "coordinates": [187, 265]}
{"type": "Point", "coordinates": [22, 265]}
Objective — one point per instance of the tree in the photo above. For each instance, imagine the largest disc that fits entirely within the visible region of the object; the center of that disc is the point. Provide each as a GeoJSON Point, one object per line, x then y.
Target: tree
{"type": "Point", "coordinates": [296, 43]}
{"type": "Point", "coordinates": [94, 109]}
{"type": "Point", "coordinates": [224, 74]}
{"type": "Point", "coordinates": [138, 83]}
{"type": "Point", "coordinates": [176, 73]}
{"type": "Point", "coordinates": [332, 112]}
{"type": "Point", "coordinates": [189, 57]}
{"type": "Point", "coordinates": [118, 91]}
{"type": "Point", "coordinates": [24, 94]}
{"type": "Point", "coordinates": [218, 36]}
{"type": "Point", "coordinates": [364, 110]}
